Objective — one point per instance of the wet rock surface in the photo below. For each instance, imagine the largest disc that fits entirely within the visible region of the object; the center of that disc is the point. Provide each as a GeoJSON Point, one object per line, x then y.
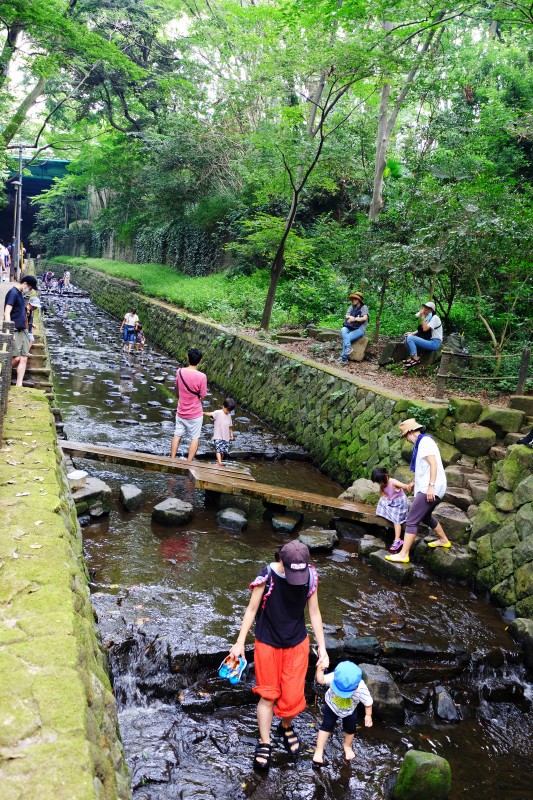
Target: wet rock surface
{"type": "Point", "coordinates": [233, 519]}
{"type": "Point", "coordinates": [173, 511]}
{"type": "Point", "coordinates": [131, 497]}
{"type": "Point", "coordinates": [318, 538]}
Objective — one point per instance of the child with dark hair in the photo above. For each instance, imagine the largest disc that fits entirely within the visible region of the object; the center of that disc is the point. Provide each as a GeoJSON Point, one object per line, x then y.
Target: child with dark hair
{"type": "Point", "coordinates": [140, 339]}
{"type": "Point", "coordinates": [222, 434]}
{"type": "Point", "coordinates": [393, 503]}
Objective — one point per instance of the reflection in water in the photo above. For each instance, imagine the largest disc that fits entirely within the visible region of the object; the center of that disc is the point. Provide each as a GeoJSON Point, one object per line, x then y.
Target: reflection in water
{"type": "Point", "coordinates": [171, 587]}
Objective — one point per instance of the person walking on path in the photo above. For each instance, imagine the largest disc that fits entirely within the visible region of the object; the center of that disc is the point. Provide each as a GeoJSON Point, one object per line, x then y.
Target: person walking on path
{"type": "Point", "coordinates": [429, 488]}
{"type": "Point", "coordinates": [355, 324]}
{"type": "Point", "coordinates": [280, 594]}
{"type": "Point", "coordinates": [191, 388]}
{"type": "Point", "coordinates": [223, 430]}
{"type": "Point", "coordinates": [346, 690]}
{"type": "Point", "coordinates": [15, 312]}
{"type": "Point", "coordinates": [127, 329]}
{"type": "Point", "coordinates": [430, 325]}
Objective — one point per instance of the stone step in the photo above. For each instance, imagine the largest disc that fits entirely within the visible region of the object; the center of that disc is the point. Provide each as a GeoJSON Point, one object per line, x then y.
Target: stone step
{"type": "Point", "coordinates": [512, 438]}
{"type": "Point", "coordinates": [461, 498]}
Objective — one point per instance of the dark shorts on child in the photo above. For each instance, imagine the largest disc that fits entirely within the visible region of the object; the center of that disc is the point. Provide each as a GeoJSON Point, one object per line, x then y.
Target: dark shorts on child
{"type": "Point", "coordinates": [329, 720]}
{"type": "Point", "coordinates": [221, 445]}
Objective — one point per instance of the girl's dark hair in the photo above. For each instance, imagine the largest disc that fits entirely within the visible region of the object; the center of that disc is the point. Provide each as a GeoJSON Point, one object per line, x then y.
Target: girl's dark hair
{"type": "Point", "coordinates": [277, 556]}
{"type": "Point", "coordinates": [379, 475]}
{"type": "Point", "coordinates": [229, 402]}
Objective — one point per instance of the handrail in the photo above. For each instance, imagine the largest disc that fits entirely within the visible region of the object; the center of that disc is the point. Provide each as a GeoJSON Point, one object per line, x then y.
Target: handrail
{"type": "Point", "coordinates": [6, 357]}
{"type": "Point", "coordinates": [448, 357]}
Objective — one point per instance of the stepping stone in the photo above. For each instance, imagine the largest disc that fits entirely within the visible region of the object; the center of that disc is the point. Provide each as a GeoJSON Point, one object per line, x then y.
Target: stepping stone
{"type": "Point", "coordinates": [232, 519]}
{"type": "Point", "coordinates": [458, 497]}
{"type": "Point", "coordinates": [131, 497]}
{"type": "Point", "coordinates": [287, 522]}
{"type": "Point", "coordinates": [443, 705]}
{"type": "Point", "coordinates": [370, 544]}
{"type": "Point", "coordinates": [318, 539]}
{"type": "Point", "coordinates": [172, 511]}
{"type": "Point", "coordinates": [393, 570]}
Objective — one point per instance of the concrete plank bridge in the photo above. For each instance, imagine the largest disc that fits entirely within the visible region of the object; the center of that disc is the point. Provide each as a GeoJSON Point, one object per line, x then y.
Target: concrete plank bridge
{"type": "Point", "coordinates": [235, 480]}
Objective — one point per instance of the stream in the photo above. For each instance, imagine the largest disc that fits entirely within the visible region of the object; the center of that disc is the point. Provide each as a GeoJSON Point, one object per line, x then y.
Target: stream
{"type": "Point", "coordinates": [169, 604]}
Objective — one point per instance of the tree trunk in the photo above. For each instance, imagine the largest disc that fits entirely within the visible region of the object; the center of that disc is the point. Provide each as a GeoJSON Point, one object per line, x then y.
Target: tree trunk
{"type": "Point", "coordinates": [19, 115]}
{"type": "Point", "coordinates": [382, 141]}
{"type": "Point", "coordinates": [278, 264]}
{"type": "Point", "coordinates": [386, 126]}
{"type": "Point", "coordinates": [382, 293]}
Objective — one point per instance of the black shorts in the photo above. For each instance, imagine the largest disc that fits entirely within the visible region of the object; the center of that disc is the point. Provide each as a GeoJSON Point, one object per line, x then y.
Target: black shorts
{"type": "Point", "coordinates": [329, 720]}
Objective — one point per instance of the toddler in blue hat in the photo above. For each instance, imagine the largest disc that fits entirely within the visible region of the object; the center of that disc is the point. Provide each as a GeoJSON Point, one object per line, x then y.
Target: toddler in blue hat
{"type": "Point", "coordinates": [346, 691]}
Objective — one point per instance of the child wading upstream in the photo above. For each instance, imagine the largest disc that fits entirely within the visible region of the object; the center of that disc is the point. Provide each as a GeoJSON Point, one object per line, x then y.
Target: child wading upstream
{"type": "Point", "coordinates": [222, 434]}
{"type": "Point", "coordinates": [393, 503]}
{"type": "Point", "coordinates": [346, 691]}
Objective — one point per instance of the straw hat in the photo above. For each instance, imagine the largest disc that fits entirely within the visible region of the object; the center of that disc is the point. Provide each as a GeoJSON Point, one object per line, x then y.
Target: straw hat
{"type": "Point", "coordinates": [356, 296]}
{"type": "Point", "coordinates": [430, 304]}
{"type": "Point", "coordinates": [408, 426]}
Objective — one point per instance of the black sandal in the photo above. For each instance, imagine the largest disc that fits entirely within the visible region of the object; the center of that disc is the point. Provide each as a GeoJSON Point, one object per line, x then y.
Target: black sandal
{"type": "Point", "coordinates": [290, 739]}
{"type": "Point", "coordinates": [263, 756]}
{"type": "Point", "coordinates": [413, 362]}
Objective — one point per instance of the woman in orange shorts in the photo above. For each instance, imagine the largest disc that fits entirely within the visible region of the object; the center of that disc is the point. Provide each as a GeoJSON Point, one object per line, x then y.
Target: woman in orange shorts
{"type": "Point", "coordinates": [280, 594]}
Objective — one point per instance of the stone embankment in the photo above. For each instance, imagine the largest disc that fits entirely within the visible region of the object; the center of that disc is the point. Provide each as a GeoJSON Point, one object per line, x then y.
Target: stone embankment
{"type": "Point", "coordinates": [59, 735]}
{"type": "Point", "coordinates": [349, 427]}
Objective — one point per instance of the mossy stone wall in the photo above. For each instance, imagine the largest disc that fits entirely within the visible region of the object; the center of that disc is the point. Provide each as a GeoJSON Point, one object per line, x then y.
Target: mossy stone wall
{"type": "Point", "coordinates": [502, 534]}
{"type": "Point", "coordinates": [348, 427]}
{"type": "Point", "coordinates": [59, 735]}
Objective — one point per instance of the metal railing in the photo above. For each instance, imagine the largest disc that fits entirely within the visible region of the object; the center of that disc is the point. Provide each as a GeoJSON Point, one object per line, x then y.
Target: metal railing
{"type": "Point", "coordinates": [450, 361]}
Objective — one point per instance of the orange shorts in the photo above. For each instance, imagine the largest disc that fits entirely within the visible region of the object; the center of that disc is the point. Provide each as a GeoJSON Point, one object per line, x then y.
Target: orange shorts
{"type": "Point", "coordinates": [280, 675]}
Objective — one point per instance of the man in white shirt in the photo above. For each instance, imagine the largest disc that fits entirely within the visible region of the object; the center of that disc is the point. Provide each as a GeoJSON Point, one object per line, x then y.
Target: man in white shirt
{"type": "Point", "coordinates": [429, 488]}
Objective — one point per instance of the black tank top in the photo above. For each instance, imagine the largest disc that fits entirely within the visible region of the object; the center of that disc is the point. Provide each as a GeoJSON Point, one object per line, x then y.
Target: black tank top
{"type": "Point", "coordinates": [280, 621]}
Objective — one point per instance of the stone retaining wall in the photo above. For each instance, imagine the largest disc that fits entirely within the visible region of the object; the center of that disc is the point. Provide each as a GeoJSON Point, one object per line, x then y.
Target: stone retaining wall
{"type": "Point", "coordinates": [59, 735]}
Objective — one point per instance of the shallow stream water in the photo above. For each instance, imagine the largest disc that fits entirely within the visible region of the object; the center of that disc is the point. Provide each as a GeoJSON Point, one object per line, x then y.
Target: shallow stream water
{"type": "Point", "coordinates": [169, 601]}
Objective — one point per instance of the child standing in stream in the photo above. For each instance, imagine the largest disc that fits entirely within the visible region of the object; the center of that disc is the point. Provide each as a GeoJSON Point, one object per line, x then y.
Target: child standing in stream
{"type": "Point", "coordinates": [223, 433]}
{"type": "Point", "coordinates": [392, 504]}
{"type": "Point", "coordinates": [346, 690]}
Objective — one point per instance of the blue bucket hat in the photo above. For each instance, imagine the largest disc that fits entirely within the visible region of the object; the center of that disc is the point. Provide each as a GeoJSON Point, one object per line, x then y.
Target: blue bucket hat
{"type": "Point", "coordinates": [346, 679]}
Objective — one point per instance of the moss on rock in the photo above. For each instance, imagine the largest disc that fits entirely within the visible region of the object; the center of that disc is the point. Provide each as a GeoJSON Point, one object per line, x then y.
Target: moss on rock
{"type": "Point", "coordinates": [423, 776]}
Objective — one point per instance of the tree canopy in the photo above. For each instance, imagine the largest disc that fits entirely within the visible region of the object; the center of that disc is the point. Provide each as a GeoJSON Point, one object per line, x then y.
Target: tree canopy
{"type": "Point", "coordinates": [332, 143]}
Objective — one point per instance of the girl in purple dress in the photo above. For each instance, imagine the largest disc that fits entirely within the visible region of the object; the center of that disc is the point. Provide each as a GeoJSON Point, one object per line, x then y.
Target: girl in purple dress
{"type": "Point", "coordinates": [393, 503]}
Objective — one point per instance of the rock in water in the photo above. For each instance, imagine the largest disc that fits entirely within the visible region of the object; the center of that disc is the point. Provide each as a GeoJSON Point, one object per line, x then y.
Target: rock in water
{"type": "Point", "coordinates": [388, 702]}
{"type": "Point", "coordinates": [370, 544]}
{"type": "Point", "coordinates": [287, 522]}
{"type": "Point", "coordinates": [318, 538]}
{"type": "Point", "coordinates": [172, 512]}
{"type": "Point", "coordinates": [393, 570]}
{"type": "Point", "coordinates": [233, 519]}
{"type": "Point", "coordinates": [423, 776]}
{"type": "Point", "coordinates": [444, 706]}
{"type": "Point", "coordinates": [131, 497]}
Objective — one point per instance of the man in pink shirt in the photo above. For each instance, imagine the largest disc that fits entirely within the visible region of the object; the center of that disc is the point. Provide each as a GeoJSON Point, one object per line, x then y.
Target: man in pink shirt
{"type": "Point", "coordinates": [191, 388]}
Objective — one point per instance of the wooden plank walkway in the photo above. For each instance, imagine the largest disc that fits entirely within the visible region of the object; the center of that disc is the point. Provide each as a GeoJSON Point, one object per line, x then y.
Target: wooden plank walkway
{"type": "Point", "coordinates": [229, 480]}
{"type": "Point", "coordinates": [149, 461]}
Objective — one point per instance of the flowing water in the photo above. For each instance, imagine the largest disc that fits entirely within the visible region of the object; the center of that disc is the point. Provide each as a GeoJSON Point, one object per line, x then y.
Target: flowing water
{"type": "Point", "coordinates": [169, 603]}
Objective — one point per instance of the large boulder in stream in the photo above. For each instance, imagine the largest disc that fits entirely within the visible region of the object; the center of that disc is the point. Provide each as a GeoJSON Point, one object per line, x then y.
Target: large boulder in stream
{"type": "Point", "coordinates": [131, 497]}
{"type": "Point", "coordinates": [318, 538]}
{"type": "Point", "coordinates": [287, 521]}
{"type": "Point", "coordinates": [232, 519]}
{"type": "Point", "coordinates": [393, 570]}
{"type": "Point", "coordinates": [172, 511]}
{"type": "Point", "coordinates": [388, 701]}
{"type": "Point", "coordinates": [423, 776]}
